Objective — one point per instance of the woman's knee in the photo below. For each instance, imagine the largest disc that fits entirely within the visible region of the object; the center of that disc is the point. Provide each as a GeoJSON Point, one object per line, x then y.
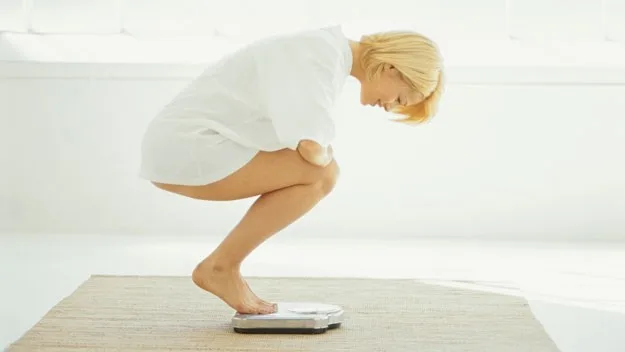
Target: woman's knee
{"type": "Point", "coordinates": [327, 178]}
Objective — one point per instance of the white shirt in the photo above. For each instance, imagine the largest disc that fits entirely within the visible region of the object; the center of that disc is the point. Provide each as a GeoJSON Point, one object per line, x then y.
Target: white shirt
{"type": "Point", "coordinates": [267, 96]}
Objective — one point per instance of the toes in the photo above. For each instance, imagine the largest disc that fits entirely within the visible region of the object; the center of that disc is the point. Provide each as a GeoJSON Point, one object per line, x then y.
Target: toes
{"type": "Point", "coordinates": [261, 306]}
{"type": "Point", "coordinates": [273, 308]}
{"type": "Point", "coordinates": [266, 305]}
{"type": "Point", "coordinates": [251, 307]}
{"type": "Point", "coordinates": [247, 308]}
{"type": "Point", "coordinates": [267, 310]}
{"type": "Point", "coordinates": [270, 308]}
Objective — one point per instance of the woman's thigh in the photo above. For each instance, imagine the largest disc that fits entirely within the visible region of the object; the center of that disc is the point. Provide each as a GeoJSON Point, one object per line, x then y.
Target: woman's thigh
{"type": "Point", "coordinates": [266, 172]}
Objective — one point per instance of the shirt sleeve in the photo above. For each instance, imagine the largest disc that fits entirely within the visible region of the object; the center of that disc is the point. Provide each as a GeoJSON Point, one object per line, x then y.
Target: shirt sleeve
{"type": "Point", "coordinates": [297, 87]}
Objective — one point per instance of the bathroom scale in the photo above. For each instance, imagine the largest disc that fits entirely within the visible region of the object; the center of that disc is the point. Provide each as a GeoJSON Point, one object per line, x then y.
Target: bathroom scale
{"type": "Point", "coordinates": [291, 318]}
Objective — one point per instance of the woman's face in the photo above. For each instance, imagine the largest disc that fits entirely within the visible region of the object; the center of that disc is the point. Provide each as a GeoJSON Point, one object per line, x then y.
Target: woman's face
{"type": "Point", "coordinates": [388, 91]}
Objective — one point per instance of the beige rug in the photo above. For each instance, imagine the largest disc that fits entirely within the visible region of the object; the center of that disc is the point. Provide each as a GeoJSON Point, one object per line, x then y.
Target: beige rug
{"type": "Point", "coordinates": [130, 313]}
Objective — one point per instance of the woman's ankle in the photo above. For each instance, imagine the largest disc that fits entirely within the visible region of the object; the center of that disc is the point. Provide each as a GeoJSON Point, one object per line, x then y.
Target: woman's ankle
{"type": "Point", "coordinates": [215, 264]}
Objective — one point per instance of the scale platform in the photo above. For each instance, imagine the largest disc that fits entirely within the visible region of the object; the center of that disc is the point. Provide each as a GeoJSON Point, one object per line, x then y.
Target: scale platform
{"type": "Point", "coordinates": [291, 318]}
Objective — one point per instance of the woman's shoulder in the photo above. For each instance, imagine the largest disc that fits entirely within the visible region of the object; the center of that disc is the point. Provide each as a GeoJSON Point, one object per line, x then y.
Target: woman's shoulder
{"type": "Point", "coordinates": [325, 45]}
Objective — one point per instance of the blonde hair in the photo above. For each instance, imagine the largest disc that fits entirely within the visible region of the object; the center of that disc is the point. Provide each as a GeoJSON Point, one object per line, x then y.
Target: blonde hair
{"type": "Point", "coordinates": [418, 60]}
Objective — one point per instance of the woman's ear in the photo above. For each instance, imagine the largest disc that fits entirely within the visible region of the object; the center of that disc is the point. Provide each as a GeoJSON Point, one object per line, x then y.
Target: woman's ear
{"type": "Point", "coordinates": [390, 69]}
{"type": "Point", "coordinates": [387, 67]}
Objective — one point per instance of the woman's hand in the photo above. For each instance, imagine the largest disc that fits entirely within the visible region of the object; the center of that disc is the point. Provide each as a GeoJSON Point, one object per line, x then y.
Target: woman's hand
{"type": "Point", "coordinates": [314, 153]}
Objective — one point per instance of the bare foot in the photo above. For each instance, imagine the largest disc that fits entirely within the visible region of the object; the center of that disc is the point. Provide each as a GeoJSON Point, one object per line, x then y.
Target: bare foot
{"type": "Point", "coordinates": [262, 301]}
{"type": "Point", "coordinates": [228, 285]}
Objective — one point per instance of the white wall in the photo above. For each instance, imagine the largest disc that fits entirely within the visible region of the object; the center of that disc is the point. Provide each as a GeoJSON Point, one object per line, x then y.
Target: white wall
{"type": "Point", "coordinates": [502, 161]}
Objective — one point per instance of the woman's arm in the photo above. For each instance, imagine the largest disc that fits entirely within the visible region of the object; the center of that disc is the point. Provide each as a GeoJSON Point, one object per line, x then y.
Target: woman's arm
{"type": "Point", "coordinates": [314, 153]}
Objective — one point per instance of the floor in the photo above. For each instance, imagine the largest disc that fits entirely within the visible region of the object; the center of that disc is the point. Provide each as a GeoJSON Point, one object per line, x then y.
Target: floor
{"type": "Point", "coordinates": [576, 290]}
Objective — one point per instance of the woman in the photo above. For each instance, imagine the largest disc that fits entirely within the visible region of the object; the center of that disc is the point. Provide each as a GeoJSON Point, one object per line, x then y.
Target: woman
{"type": "Point", "coordinates": [259, 123]}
